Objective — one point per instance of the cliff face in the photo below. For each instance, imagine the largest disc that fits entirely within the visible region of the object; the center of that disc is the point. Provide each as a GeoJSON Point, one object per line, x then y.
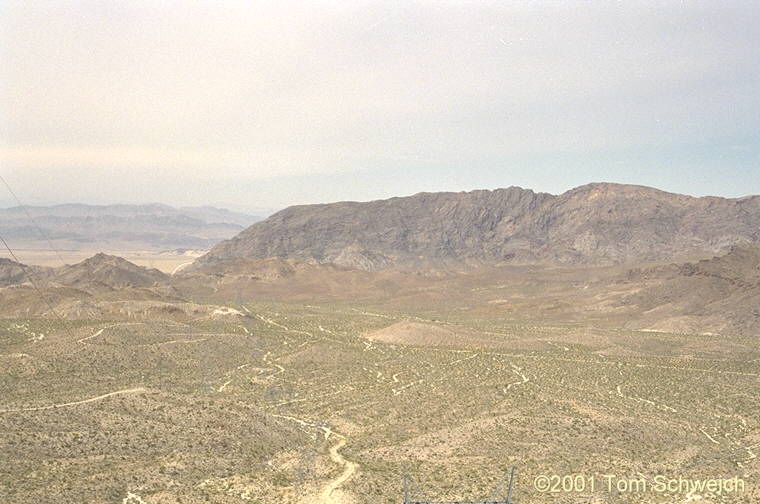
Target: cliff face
{"type": "Point", "coordinates": [597, 223]}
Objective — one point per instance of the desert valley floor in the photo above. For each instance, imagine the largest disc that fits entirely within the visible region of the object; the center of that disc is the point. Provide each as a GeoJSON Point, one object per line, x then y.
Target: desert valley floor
{"type": "Point", "coordinates": [336, 403]}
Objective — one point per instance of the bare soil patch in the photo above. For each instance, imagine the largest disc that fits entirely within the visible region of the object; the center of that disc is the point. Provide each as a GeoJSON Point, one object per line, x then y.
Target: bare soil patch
{"type": "Point", "coordinates": [430, 335]}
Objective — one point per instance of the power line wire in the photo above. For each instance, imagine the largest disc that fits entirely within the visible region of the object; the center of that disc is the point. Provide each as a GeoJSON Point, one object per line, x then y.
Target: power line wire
{"type": "Point", "coordinates": [29, 277]}
{"type": "Point", "coordinates": [31, 219]}
{"type": "Point", "coordinates": [27, 270]}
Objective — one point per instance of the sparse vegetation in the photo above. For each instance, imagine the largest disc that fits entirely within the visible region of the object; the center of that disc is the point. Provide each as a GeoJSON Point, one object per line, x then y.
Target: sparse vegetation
{"type": "Point", "coordinates": [236, 408]}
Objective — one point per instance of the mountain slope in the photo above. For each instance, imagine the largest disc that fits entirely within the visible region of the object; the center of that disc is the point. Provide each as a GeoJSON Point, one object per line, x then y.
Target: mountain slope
{"type": "Point", "coordinates": [14, 273]}
{"type": "Point", "coordinates": [379, 234]}
{"type": "Point", "coordinates": [618, 223]}
{"type": "Point", "coordinates": [11, 272]}
{"type": "Point", "coordinates": [594, 224]}
{"type": "Point", "coordinates": [110, 271]}
{"type": "Point", "coordinates": [722, 293]}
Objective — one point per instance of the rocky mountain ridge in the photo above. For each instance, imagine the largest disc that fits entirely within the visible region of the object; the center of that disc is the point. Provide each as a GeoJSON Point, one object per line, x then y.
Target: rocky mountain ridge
{"type": "Point", "coordinates": [598, 223]}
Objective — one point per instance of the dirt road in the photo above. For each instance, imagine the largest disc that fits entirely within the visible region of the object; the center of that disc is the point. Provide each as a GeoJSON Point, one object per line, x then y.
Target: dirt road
{"type": "Point", "coordinates": [136, 390]}
{"type": "Point", "coordinates": [328, 494]}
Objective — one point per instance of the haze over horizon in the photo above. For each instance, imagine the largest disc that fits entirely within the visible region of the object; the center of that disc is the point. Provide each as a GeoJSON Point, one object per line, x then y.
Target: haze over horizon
{"type": "Point", "coordinates": [263, 212]}
{"type": "Point", "coordinates": [254, 106]}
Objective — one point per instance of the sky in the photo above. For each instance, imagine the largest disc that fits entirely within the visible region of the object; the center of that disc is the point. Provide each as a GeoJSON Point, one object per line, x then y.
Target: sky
{"type": "Point", "coordinates": [252, 105]}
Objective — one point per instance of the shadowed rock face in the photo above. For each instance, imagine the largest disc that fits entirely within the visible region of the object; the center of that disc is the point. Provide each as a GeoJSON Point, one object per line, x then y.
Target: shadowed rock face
{"type": "Point", "coordinates": [14, 273]}
{"type": "Point", "coordinates": [592, 224]}
{"type": "Point", "coordinates": [11, 272]}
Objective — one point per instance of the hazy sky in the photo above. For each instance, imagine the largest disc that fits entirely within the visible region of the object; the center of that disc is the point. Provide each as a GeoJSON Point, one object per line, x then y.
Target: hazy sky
{"type": "Point", "coordinates": [268, 104]}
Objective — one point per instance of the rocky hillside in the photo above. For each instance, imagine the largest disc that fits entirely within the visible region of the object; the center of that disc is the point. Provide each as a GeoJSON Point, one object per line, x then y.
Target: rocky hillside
{"type": "Point", "coordinates": [592, 224]}
{"type": "Point", "coordinates": [11, 272]}
{"type": "Point", "coordinates": [101, 269]}
{"type": "Point", "coordinates": [109, 271]}
{"type": "Point", "coordinates": [722, 293]}
{"type": "Point", "coordinates": [14, 273]}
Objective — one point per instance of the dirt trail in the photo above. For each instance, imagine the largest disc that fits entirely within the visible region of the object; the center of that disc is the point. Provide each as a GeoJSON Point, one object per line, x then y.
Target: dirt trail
{"type": "Point", "coordinates": [453, 363]}
{"type": "Point", "coordinates": [82, 340]}
{"type": "Point", "coordinates": [178, 268]}
{"type": "Point", "coordinates": [620, 393]}
{"type": "Point", "coordinates": [273, 323]}
{"type": "Point", "coordinates": [136, 390]}
{"type": "Point", "coordinates": [518, 371]}
{"type": "Point", "coordinates": [712, 439]}
{"type": "Point", "coordinates": [174, 342]}
{"type": "Point", "coordinates": [133, 498]}
{"type": "Point", "coordinates": [328, 495]}
{"type": "Point", "coordinates": [99, 332]}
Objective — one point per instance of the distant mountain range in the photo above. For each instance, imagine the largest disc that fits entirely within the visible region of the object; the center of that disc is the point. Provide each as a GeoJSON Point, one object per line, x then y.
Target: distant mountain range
{"type": "Point", "coordinates": [153, 226]}
{"type": "Point", "coordinates": [598, 223]}
{"type": "Point", "coordinates": [678, 263]}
